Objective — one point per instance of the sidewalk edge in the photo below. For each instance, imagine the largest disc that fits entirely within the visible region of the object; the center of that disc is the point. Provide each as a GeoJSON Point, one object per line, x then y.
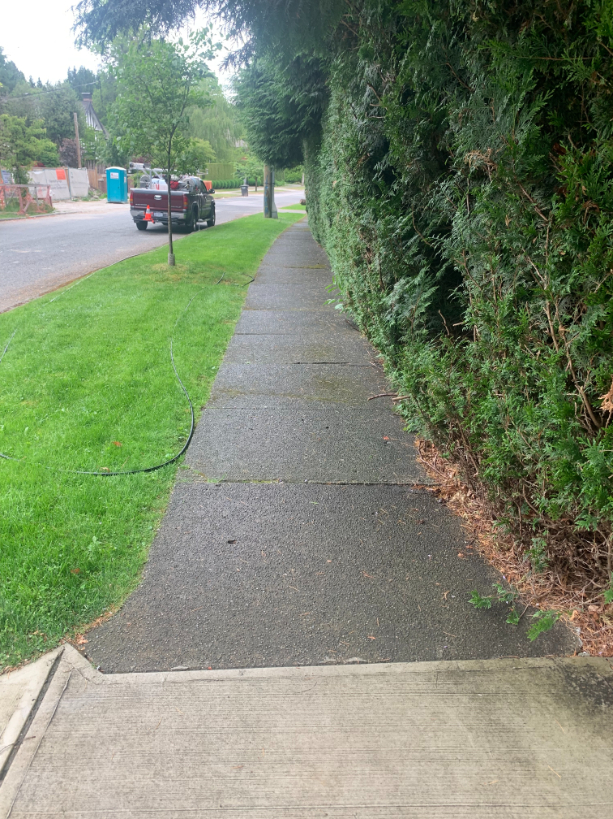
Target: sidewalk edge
{"type": "Point", "coordinates": [69, 661]}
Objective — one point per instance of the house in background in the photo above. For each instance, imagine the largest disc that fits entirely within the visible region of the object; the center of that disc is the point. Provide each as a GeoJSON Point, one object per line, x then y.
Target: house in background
{"type": "Point", "coordinates": [91, 117]}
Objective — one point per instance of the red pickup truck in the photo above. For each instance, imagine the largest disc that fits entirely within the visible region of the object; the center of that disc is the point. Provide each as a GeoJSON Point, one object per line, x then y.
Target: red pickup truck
{"type": "Point", "coordinates": [190, 203]}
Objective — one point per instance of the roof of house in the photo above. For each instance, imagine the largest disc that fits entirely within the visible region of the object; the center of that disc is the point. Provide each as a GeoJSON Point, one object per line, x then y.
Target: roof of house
{"type": "Point", "coordinates": [90, 115]}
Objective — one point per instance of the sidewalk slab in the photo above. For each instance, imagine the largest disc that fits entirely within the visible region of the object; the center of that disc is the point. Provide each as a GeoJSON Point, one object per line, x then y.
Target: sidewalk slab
{"type": "Point", "coordinates": [253, 575]}
{"type": "Point", "coordinates": [276, 273]}
{"type": "Point", "coordinates": [282, 295]}
{"type": "Point", "coordinates": [304, 441]}
{"type": "Point", "coordinates": [337, 383]}
{"type": "Point", "coordinates": [307, 348]}
{"type": "Point", "coordinates": [513, 739]}
{"type": "Point", "coordinates": [316, 323]}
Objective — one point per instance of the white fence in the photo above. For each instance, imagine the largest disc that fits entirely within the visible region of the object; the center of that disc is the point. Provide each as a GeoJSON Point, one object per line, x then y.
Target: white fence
{"type": "Point", "coordinates": [65, 183]}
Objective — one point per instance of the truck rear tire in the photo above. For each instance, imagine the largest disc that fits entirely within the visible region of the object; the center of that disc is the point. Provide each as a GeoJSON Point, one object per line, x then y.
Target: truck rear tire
{"type": "Point", "coordinates": [192, 224]}
{"type": "Point", "coordinates": [211, 222]}
{"type": "Point", "coordinates": [142, 225]}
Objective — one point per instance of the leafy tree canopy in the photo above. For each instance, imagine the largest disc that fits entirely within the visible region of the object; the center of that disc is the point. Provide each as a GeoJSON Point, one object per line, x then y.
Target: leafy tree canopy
{"type": "Point", "coordinates": [55, 105]}
{"type": "Point", "coordinates": [23, 144]}
{"type": "Point", "coordinates": [292, 25]}
{"type": "Point", "coordinates": [158, 83]}
{"type": "Point", "coordinates": [250, 167]}
{"type": "Point", "coordinates": [281, 104]}
{"type": "Point", "coordinates": [81, 79]}
{"type": "Point", "coordinates": [195, 157]}
{"type": "Point", "coordinates": [219, 124]}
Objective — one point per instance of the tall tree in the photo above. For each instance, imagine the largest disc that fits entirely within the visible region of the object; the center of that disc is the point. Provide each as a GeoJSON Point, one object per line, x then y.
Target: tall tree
{"type": "Point", "coordinates": [195, 158]}
{"type": "Point", "coordinates": [55, 104]}
{"type": "Point", "coordinates": [220, 124]}
{"type": "Point", "coordinates": [10, 75]}
{"type": "Point", "coordinates": [281, 103]}
{"type": "Point", "coordinates": [22, 144]}
{"type": "Point", "coordinates": [158, 82]}
{"type": "Point", "coordinates": [290, 26]}
{"type": "Point", "coordinates": [81, 79]}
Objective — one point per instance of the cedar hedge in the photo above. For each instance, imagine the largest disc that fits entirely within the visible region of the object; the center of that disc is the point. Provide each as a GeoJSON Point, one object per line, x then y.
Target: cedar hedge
{"type": "Point", "coordinates": [459, 172]}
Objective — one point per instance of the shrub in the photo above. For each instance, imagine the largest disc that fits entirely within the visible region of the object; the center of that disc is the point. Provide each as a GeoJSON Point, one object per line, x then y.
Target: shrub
{"type": "Point", "coordinates": [461, 184]}
{"type": "Point", "coordinates": [225, 184]}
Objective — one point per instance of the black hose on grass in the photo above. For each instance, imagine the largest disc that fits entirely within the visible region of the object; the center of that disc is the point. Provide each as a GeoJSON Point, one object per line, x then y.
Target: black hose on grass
{"type": "Point", "coordinates": [172, 361]}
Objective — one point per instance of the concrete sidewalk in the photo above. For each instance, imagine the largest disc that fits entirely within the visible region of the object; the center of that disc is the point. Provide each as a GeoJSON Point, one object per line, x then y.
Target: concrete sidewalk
{"type": "Point", "coordinates": [301, 570]}
{"type": "Point", "coordinates": [506, 739]}
{"type": "Point", "coordinates": [301, 532]}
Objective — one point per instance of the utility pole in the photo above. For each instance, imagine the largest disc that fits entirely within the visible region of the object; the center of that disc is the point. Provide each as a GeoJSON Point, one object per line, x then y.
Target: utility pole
{"type": "Point", "coordinates": [270, 209]}
{"type": "Point", "coordinates": [77, 140]}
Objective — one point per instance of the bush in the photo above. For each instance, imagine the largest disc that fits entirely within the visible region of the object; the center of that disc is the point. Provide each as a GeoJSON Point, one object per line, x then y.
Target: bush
{"type": "Point", "coordinates": [226, 184]}
{"type": "Point", "coordinates": [294, 175]}
{"type": "Point", "coordinates": [462, 185]}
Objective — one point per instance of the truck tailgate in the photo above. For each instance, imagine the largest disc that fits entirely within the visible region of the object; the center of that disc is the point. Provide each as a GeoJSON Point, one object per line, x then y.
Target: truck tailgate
{"type": "Point", "coordinates": [158, 200]}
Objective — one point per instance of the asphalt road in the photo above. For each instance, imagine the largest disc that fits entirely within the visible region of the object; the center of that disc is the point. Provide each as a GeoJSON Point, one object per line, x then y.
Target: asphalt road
{"type": "Point", "coordinates": [39, 255]}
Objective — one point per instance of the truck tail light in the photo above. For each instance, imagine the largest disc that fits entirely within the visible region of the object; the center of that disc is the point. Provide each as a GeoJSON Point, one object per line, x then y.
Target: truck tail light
{"type": "Point", "coordinates": [131, 199]}
{"type": "Point", "coordinates": [185, 202]}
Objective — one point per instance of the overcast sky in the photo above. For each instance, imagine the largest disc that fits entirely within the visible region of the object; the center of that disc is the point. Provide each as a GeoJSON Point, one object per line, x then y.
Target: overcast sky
{"type": "Point", "coordinates": [37, 36]}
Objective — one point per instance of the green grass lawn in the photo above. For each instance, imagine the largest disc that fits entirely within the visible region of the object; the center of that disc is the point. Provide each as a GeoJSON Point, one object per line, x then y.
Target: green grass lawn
{"type": "Point", "coordinates": [86, 383]}
{"type": "Point", "coordinates": [293, 207]}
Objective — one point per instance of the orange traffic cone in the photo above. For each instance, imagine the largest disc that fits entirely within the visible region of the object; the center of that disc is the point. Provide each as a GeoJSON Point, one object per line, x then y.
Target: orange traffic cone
{"type": "Point", "coordinates": [148, 216]}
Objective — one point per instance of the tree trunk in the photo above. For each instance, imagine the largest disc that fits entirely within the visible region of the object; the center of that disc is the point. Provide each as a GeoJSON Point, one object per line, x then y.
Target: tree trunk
{"type": "Point", "coordinates": [171, 255]}
{"type": "Point", "coordinates": [270, 209]}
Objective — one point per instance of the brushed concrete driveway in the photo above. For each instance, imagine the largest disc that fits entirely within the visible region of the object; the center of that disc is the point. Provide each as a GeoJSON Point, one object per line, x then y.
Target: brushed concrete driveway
{"type": "Point", "coordinates": [497, 739]}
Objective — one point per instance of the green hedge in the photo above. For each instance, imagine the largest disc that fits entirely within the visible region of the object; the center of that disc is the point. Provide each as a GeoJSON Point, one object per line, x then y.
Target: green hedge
{"type": "Point", "coordinates": [225, 184]}
{"type": "Point", "coordinates": [462, 184]}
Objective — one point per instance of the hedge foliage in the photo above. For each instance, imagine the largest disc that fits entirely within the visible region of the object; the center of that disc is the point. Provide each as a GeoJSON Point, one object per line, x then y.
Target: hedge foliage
{"type": "Point", "coordinates": [460, 179]}
{"type": "Point", "coordinates": [462, 187]}
{"type": "Point", "coordinates": [226, 184]}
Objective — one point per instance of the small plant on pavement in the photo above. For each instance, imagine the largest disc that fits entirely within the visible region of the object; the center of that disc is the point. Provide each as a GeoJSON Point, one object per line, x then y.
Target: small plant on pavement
{"type": "Point", "coordinates": [541, 620]}
{"type": "Point", "coordinates": [501, 595]}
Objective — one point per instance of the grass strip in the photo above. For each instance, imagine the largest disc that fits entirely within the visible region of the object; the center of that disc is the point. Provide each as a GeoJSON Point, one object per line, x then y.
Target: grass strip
{"type": "Point", "coordinates": [87, 383]}
{"type": "Point", "coordinates": [293, 207]}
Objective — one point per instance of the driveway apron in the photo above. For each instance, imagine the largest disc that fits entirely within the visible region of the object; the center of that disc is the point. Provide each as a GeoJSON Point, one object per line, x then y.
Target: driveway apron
{"type": "Point", "coordinates": [302, 531]}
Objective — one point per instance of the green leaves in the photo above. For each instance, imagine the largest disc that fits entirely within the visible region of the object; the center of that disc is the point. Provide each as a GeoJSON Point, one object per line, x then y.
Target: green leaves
{"type": "Point", "coordinates": [281, 103]}
{"type": "Point", "coordinates": [157, 83]}
{"type": "Point", "coordinates": [480, 602]}
{"type": "Point", "coordinates": [542, 621]}
{"type": "Point", "coordinates": [22, 144]}
{"type": "Point", "coordinates": [502, 595]}
{"type": "Point", "coordinates": [461, 184]}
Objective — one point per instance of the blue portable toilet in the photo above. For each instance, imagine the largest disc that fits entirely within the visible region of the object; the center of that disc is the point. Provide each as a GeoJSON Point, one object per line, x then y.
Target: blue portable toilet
{"type": "Point", "coordinates": [117, 185]}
